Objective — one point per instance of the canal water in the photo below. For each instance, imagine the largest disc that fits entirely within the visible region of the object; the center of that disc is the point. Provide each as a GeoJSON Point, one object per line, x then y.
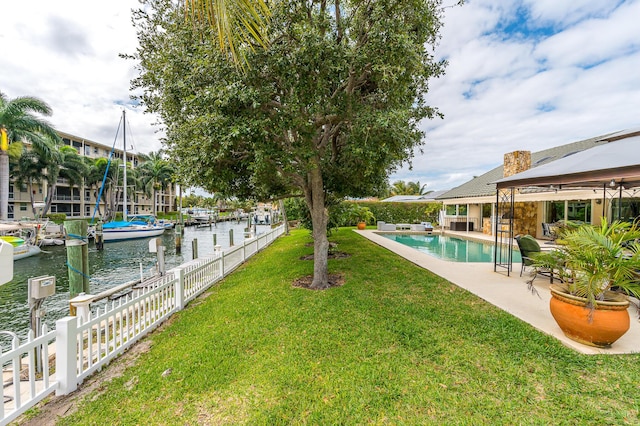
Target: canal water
{"type": "Point", "coordinates": [118, 263]}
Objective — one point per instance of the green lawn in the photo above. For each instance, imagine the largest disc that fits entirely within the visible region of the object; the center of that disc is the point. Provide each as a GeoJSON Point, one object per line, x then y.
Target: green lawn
{"type": "Point", "coordinates": [394, 345]}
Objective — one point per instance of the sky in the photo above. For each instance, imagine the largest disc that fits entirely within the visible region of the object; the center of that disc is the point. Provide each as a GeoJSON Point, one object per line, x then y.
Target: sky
{"type": "Point", "coordinates": [521, 75]}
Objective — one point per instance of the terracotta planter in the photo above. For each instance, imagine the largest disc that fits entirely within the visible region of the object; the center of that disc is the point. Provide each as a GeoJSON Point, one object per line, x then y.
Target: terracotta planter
{"type": "Point", "coordinates": [362, 225]}
{"type": "Point", "coordinates": [600, 327]}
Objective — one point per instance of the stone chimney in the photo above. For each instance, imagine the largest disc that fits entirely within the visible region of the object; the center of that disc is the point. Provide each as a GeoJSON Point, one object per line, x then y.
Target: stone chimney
{"type": "Point", "coordinates": [516, 162]}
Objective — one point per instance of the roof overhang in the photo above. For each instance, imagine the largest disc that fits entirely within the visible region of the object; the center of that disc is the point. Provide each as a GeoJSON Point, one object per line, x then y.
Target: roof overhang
{"type": "Point", "coordinates": [617, 161]}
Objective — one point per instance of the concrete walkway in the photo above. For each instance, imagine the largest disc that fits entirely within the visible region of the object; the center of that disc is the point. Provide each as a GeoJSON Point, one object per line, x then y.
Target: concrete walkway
{"type": "Point", "coordinates": [509, 293]}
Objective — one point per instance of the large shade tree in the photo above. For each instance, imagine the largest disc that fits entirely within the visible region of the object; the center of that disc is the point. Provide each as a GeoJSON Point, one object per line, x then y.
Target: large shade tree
{"type": "Point", "coordinates": [21, 121]}
{"type": "Point", "coordinates": [328, 109]}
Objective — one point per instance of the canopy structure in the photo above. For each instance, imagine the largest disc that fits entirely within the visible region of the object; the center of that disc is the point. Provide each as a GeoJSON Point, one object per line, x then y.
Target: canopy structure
{"type": "Point", "coordinates": [615, 163]}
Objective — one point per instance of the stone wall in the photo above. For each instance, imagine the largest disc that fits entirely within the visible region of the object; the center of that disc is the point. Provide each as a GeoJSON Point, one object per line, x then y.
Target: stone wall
{"type": "Point", "coordinates": [525, 219]}
{"type": "Point", "coordinates": [516, 162]}
{"type": "Point", "coordinates": [486, 226]}
{"type": "Point", "coordinates": [525, 222]}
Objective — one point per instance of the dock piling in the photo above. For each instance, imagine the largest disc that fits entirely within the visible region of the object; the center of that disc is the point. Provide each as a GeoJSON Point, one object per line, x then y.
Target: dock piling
{"type": "Point", "coordinates": [194, 248]}
{"type": "Point", "coordinates": [99, 237]}
{"type": "Point", "coordinates": [178, 233]}
{"type": "Point", "coordinates": [77, 256]}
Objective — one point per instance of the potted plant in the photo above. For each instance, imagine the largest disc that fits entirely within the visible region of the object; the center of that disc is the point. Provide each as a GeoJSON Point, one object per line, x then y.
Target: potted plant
{"type": "Point", "coordinates": [361, 215]}
{"type": "Point", "coordinates": [599, 267]}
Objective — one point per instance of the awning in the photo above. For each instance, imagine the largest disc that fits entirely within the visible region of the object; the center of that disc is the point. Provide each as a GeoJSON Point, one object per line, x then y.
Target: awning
{"type": "Point", "coordinates": [617, 161]}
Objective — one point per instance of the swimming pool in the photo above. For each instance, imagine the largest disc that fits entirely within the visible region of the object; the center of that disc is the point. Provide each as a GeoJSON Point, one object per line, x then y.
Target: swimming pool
{"type": "Point", "coordinates": [450, 248]}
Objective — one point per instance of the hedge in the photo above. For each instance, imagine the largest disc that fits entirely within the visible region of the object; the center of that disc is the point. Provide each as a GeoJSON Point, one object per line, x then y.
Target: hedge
{"type": "Point", "coordinates": [403, 212]}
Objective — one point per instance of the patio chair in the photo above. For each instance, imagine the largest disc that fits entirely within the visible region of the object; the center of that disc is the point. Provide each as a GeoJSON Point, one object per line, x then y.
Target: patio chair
{"type": "Point", "coordinates": [548, 232]}
{"type": "Point", "coordinates": [528, 246]}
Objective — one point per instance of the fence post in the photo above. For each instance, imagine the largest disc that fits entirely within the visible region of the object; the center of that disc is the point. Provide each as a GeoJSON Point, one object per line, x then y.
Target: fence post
{"type": "Point", "coordinates": [66, 355]}
{"type": "Point", "coordinates": [179, 287]}
{"type": "Point", "coordinates": [244, 250]}
{"type": "Point", "coordinates": [194, 248]}
{"type": "Point", "coordinates": [222, 264]}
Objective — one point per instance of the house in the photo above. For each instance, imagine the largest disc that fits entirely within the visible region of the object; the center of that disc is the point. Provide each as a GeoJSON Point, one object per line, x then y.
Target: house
{"type": "Point", "coordinates": [472, 206]}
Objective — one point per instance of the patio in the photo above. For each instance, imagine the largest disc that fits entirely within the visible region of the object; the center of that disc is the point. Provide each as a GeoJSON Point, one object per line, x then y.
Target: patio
{"type": "Point", "coordinates": [509, 293]}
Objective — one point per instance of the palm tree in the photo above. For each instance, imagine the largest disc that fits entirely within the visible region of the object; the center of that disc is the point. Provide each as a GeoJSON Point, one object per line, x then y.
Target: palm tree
{"type": "Point", "coordinates": [96, 169]}
{"type": "Point", "coordinates": [233, 23]}
{"type": "Point", "coordinates": [27, 170]}
{"type": "Point", "coordinates": [64, 162]}
{"type": "Point", "coordinates": [155, 173]}
{"type": "Point", "coordinates": [408, 188]}
{"type": "Point", "coordinates": [18, 123]}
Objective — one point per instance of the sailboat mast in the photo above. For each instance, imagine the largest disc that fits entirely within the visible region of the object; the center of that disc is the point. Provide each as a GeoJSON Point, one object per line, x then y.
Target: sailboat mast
{"type": "Point", "coordinates": [124, 129]}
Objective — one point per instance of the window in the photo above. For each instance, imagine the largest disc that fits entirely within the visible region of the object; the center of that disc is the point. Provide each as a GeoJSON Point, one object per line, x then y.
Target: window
{"type": "Point", "coordinates": [456, 210]}
{"type": "Point", "coordinates": [555, 211]}
{"type": "Point", "coordinates": [627, 210]}
{"type": "Point", "coordinates": [579, 211]}
{"type": "Point", "coordinates": [23, 207]}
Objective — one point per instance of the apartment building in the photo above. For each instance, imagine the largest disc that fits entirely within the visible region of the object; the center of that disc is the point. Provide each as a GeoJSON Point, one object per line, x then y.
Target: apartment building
{"type": "Point", "coordinates": [80, 202]}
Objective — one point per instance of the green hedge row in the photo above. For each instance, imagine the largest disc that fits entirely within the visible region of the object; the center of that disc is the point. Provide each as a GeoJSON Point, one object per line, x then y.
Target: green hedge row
{"type": "Point", "coordinates": [345, 213]}
{"type": "Point", "coordinates": [403, 212]}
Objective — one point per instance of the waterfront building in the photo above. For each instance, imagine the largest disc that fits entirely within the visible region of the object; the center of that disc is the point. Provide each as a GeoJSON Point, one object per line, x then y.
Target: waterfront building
{"type": "Point", "coordinates": [80, 201]}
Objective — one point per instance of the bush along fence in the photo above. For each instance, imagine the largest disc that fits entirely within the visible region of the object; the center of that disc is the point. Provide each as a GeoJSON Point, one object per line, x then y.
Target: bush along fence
{"type": "Point", "coordinates": [61, 359]}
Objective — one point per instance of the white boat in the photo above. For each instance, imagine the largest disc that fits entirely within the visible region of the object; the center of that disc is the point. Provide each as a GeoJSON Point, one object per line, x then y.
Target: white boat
{"type": "Point", "coordinates": [199, 214]}
{"type": "Point", "coordinates": [149, 218]}
{"type": "Point", "coordinates": [129, 229]}
{"type": "Point", "coordinates": [21, 237]}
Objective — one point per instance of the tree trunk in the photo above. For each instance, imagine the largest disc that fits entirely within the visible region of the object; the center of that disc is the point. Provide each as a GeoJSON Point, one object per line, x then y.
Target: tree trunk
{"type": "Point", "coordinates": [51, 190]}
{"type": "Point", "coordinates": [284, 216]}
{"type": "Point", "coordinates": [4, 185]}
{"type": "Point", "coordinates": [32, 198]}
{"type": "Point", "coordinates": [155, 204]}
{"type": "Point", "coordinates": [319, 219]}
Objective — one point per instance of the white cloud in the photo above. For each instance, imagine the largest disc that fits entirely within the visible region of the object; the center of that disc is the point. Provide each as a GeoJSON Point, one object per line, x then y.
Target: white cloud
{"type": "Point", "coordinates": [503, 93]}
{"type": "Point", "coordinates": [67, 54]}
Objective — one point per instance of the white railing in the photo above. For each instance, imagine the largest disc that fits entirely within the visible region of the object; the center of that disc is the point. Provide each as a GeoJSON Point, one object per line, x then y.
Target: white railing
{"type": "Point", "coordinates": [26, 380]}
{"type": "Point", "coordinates": [83, 345]}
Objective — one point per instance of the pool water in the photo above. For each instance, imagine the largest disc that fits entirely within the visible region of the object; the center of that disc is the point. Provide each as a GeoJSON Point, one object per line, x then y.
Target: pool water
{"type": "Point", "coordinates": [451, 248]}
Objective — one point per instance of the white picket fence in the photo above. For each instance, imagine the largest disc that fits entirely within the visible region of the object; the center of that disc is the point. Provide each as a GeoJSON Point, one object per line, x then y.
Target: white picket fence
{"type": "Point", "coordinates": [81, 346]}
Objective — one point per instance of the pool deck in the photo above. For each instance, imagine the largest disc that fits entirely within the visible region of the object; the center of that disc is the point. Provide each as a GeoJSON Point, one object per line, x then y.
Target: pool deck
{"type": "Point", "coordinates": [509, 293]}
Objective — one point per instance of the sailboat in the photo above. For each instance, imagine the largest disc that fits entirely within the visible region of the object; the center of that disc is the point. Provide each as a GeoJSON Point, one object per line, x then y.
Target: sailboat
{"type": "Point", "coordinates": [128, 229]}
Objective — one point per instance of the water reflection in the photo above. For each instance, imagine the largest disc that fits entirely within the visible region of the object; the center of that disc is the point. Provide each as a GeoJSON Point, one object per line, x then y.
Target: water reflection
{"type": "Point", "coordinates": [118, 263]}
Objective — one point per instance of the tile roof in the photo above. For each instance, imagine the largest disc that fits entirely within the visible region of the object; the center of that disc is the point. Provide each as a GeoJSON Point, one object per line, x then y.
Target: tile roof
{"type": "Point", "coordinates": [481, 186]}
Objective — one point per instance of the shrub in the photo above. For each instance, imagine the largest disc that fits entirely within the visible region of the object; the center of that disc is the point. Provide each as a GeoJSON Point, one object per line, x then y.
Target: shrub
{"type": "Point", "coordinates": [404, 212]}
{"type": "Point", "coordinates": [58, 218]}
